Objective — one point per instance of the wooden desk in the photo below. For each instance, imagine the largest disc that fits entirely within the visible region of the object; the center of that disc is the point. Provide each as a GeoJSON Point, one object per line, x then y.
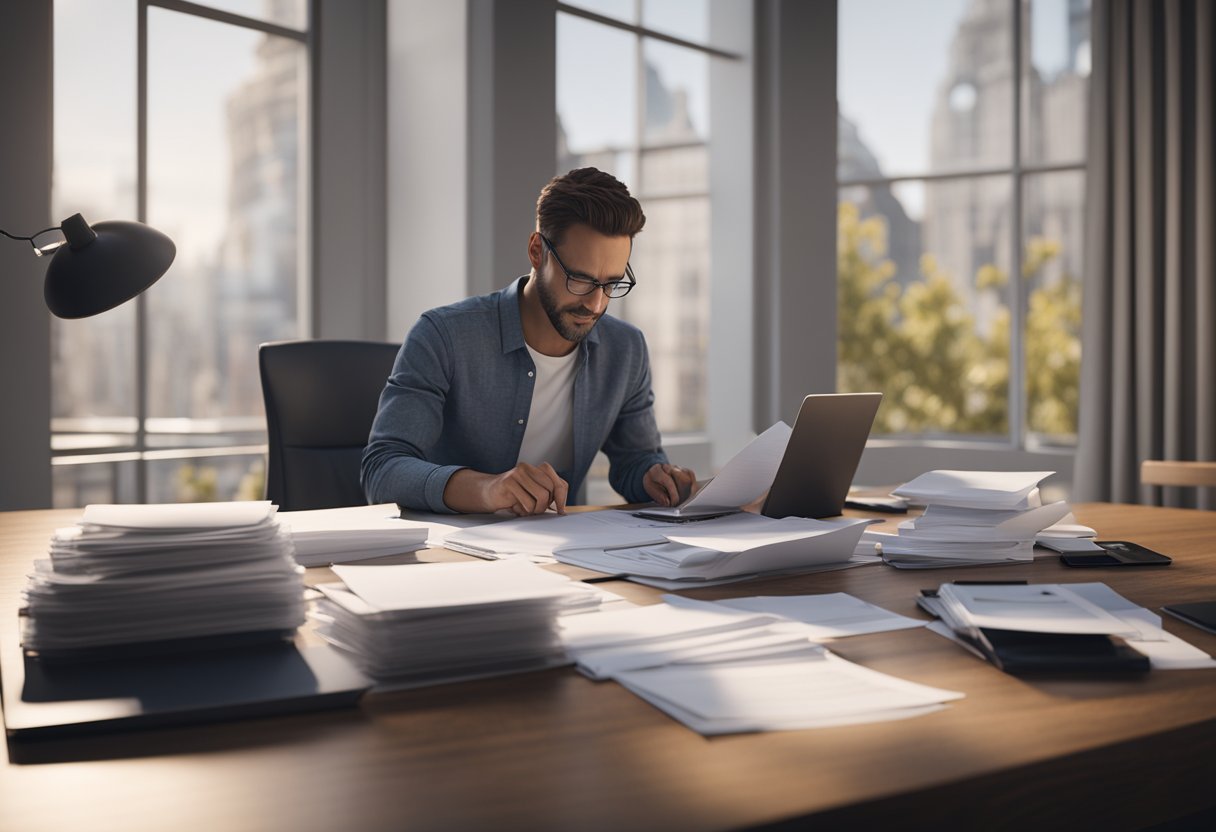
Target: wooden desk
{"type": "Point", "coordinates": [553, 750]}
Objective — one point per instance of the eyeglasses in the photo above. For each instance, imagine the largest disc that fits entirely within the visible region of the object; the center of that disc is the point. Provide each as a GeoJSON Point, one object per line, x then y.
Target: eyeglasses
{"type": "Point", "coordinates": [581, 284]}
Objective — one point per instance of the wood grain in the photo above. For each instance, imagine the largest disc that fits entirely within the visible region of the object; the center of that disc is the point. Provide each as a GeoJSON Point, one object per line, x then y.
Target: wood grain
{"type": "Point", "coordinates": [554, 750]}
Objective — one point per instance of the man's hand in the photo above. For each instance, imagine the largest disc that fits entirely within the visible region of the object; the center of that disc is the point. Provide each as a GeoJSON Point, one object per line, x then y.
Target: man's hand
{"type": "Point", "coordinates": [667, 484]}
{"type": "Point", "coordinates": [525, 489]}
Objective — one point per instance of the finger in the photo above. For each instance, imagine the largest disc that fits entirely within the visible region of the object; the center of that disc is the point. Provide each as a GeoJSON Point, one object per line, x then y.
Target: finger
{"type": "Point", "coordinates": [561, 488]}
{"type": "Point", "coordinates": [521, 495]}
{"type": "Point", "coordinates": [533, 479]}
{"type": "Point", "coordinates": [669, 485]}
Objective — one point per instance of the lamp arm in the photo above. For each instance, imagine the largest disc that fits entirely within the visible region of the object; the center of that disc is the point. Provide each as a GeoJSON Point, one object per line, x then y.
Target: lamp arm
{"type": "Point", "coordinates": [39, 251]}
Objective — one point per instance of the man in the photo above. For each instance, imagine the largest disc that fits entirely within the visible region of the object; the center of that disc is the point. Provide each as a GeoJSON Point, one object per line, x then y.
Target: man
{"type": "Point", "coordinates": [501, 401]}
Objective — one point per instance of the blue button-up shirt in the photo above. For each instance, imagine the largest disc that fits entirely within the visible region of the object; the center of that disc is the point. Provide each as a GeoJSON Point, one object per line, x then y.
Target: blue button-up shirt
{"type": "Point", "coordinates": [461, 389]}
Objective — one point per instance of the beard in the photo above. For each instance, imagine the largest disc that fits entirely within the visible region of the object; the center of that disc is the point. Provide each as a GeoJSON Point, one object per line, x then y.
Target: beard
{"type": "Point", "coordinates": [565, 320]}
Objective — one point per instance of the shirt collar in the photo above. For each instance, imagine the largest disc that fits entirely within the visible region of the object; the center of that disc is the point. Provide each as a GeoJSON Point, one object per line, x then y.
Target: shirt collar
{"type": "Point", "coordinates": [509, 318]}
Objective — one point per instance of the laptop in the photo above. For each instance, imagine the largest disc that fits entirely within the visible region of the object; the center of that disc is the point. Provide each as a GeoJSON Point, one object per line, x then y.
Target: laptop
{"type": "Point", "coordinates": [821, 458]}
{"type": "Point", "coordinates": [811, 478]}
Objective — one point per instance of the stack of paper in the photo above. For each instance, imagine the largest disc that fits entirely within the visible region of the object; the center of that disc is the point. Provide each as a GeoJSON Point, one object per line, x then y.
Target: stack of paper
{"type": "Point", "coordinates": [156, 573]}
{"type": "Point", "coordinates": [338, 535]}
{"type": "Point", "coordinates": [1068, 609]}
{"type": "Point", "coordinates": [748, 667]}
{"type": "Point", "coordinates": [972, 517]}
{"type": "Point", "coordinates": [419, 624]}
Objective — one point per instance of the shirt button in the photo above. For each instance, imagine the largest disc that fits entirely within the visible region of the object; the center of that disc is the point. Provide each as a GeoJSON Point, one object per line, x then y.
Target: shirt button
{"type": "Point", "coordinates": [530, 374]}
{"type": "Point", "coordinates": [521, 421]}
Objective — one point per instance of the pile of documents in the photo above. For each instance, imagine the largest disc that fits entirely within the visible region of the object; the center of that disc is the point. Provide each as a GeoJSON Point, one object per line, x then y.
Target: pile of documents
{"type": "Point", "coordinates": [418, 624]}
{"type": "Point", "coordinates": [1058, 627]}
{"type": "Point", "coordinates": [337, 535]}
{"type": "Point", "coordinates": [127, 574]}
{"type": "Point", "coordinates": [971, 517]}
{"type": "Point", "coordinates": [670, 556]}
{"type": "Point", "coordinates": [748, 664]}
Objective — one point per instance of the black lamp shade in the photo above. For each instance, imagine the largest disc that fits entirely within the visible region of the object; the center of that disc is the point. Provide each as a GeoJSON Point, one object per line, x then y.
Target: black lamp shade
{"type": "Point", "coordinates": [103, 267]}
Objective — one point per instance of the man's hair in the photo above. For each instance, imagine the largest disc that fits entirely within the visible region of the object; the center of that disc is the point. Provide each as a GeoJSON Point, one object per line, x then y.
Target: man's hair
{"type": "Point", "coordinates": [590, 197]}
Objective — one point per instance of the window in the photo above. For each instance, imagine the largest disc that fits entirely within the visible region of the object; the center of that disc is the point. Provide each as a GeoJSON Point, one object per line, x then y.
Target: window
{"type": "Point", "coordinates": [160, 399]}
{"type": "Point", "coordinates": [960, 191]}
{"type": "Point", "coordinates": [633, 99]}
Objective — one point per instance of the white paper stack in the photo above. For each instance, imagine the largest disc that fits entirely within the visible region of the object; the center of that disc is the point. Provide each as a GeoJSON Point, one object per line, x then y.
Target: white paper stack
{"type": "Point", "coordinates": [420, 624]}
{"type": "Point", "coordinates": [971, 518]}
{"type": "Point", "coordinates": [338, 535]}
{"type": "Point", "coordinates": [722, 669]}
{"type": "Point", "coordinates": [127, 574]}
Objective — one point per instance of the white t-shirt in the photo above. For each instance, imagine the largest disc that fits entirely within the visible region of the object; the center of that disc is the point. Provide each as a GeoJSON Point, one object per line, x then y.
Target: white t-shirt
{"type": "Point", "coordinates": [549, 431]}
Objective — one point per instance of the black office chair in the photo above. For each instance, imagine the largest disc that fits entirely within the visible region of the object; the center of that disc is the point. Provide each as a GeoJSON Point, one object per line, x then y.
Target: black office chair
{"type": "Point", "coordinates": [321, 398]}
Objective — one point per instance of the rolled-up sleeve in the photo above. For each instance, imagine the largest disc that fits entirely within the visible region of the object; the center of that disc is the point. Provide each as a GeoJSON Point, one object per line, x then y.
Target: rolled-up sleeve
{"type": "Point", "coordinates": [408, 424]}
{"type": "Point", "coordinates": [634, 443]}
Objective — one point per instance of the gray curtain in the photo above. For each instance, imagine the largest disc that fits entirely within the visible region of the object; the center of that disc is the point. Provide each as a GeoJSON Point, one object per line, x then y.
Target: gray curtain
{"type": "Point", "coordinates": [1148, 368]}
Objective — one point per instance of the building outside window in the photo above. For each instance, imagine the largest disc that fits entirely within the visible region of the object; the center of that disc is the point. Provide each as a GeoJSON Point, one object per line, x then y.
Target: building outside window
{"type": "Point", "coordinates": [159, 400]}
{"type": "Point", "coordinates": [961, 175]}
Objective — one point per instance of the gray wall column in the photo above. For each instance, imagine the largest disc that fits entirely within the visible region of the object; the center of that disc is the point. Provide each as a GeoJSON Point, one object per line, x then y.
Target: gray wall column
{"type": "Point", "coordinates": [512, 133]}
{"type": "Point", "coordinates": [25, 207]}
{"type": "Point", "coordinates": [795, 232]}
{"type": "Point", "coordinates": [349, 202]}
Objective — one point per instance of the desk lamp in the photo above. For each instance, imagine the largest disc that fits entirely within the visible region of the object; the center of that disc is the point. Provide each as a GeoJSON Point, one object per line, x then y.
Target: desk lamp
{"type": "Point", "coordinates": [98, 267]}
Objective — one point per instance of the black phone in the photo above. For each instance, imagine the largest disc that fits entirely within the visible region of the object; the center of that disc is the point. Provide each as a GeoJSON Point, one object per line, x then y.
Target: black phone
{"type": "Point", "coordinates": [1117, 553]}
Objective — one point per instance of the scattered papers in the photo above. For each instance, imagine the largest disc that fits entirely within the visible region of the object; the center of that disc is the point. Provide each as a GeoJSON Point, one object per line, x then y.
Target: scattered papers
{"type": "Point", "coordinates": [720, 669]}
{"type": "Point", "coordinates": [742, 480]}
{"type": "Point", "coordinates": [151, 573]}
{"type": "Point", "coordinates": [338, 535]}
{"type": "Point", "coordinates": [693, 556]}
{"type": "Point", "coordinates": [972, 517]}
{"type": "Point", "coordinates": [546, 533]}
{"type": "Point", "coordinates": [420, 624]}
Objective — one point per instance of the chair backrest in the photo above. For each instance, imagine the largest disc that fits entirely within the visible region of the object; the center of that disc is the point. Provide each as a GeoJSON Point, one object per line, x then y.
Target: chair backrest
{"type": "Point", "coordinates": [321, 398]}
{"type": "Point", "coordinates": [1159, 472]}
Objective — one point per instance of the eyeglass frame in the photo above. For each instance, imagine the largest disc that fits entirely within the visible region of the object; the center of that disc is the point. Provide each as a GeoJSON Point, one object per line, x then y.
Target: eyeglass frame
{"type": "Point", "coordinates": [579, 279]}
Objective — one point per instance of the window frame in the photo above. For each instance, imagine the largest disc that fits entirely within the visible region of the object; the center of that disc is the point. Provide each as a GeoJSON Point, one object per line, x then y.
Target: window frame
{"type": "Point", "coordinates": [1018, 438]}
{"type": "Point", "coordinates": [247, 434]}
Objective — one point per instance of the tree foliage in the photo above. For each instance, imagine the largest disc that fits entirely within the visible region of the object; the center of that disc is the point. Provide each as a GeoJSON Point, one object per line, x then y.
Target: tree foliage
{"type": "Point", "coordinates": [921, 346]}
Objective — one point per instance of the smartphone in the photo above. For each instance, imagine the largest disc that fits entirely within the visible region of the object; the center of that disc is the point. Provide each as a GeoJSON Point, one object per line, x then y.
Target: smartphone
{"type": "Point", "coordinates": [1117, 553]}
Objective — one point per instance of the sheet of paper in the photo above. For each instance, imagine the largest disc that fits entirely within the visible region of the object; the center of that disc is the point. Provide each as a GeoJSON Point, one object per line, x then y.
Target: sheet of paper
{"type": "Point", "coordinates": [1033, 608]}
{"type": "Point", "coordinates": [775, 695]}
{"type": "Point", "coordinates": [657, 622]}
{"type": "Point", "coordinates": [745, 477]}
{"type": "Point", "coordinates": [832, 615]}
{"type": "Point", "coordinates": [547, 533]}
{"type": "Point", "coordinates": [434, 585]}
{"type": "Point", "coordinates": [975, 489]}
{"type": "Point", "coordinates": [176, 516]}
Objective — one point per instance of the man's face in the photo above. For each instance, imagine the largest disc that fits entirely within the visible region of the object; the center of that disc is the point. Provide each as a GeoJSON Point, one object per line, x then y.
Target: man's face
{"type": "Point", "coordinates": [585, 253]}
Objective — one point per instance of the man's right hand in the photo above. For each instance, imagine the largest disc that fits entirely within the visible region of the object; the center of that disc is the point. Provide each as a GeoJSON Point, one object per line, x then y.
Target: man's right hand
{"type": "Point", "coordinates": [525, 489]}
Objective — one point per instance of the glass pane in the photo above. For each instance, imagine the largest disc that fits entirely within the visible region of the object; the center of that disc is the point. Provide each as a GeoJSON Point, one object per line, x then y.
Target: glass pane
{"type": "Point", "coordinates": [687, 19]}
{"type": "Point", "coordinates": [596, 97]}
{"type": "Point", "coordinates": [77, 484]}
{"type": "Point", "coordinates": [290, 13]}
{"type": "Point", "coordinates": [93, 359]}
{"type": "Point", "coordinates": [677, 94]}
{"type": "Point", "coordinates": [924, 87]}
{"type": "Point", "coordinates": [206, 479]}
{"type": "Point", "coordinates": [625, 10]}
{"type": "Point", "coordinates": [1056, 86]}
{"type": "Point", "coordinates": [923, 314]}
{"type": "Point", "coordinates": [225, 155]}
{"type": "Point", "coordinates": [671, 305]}
{"type": "Point", "coordinates": [1051, 266]}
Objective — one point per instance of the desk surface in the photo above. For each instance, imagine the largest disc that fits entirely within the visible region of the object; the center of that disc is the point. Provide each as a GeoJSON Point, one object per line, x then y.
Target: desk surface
{"type": "Point", "coordinates": [553, 750]}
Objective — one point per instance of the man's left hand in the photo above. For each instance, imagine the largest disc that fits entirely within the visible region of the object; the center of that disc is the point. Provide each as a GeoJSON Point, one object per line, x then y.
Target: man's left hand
{"type": "Point", "coordinates": [667, 484]}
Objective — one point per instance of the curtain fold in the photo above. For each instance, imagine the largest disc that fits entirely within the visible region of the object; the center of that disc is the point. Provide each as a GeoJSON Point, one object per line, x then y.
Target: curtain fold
{"type": "Point", "coordinates": [1148, 370]}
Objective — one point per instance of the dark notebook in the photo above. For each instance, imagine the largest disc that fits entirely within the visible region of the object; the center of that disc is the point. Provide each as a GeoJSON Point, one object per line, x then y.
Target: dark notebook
{"type": "Point", "coordinates": [54, 698]}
